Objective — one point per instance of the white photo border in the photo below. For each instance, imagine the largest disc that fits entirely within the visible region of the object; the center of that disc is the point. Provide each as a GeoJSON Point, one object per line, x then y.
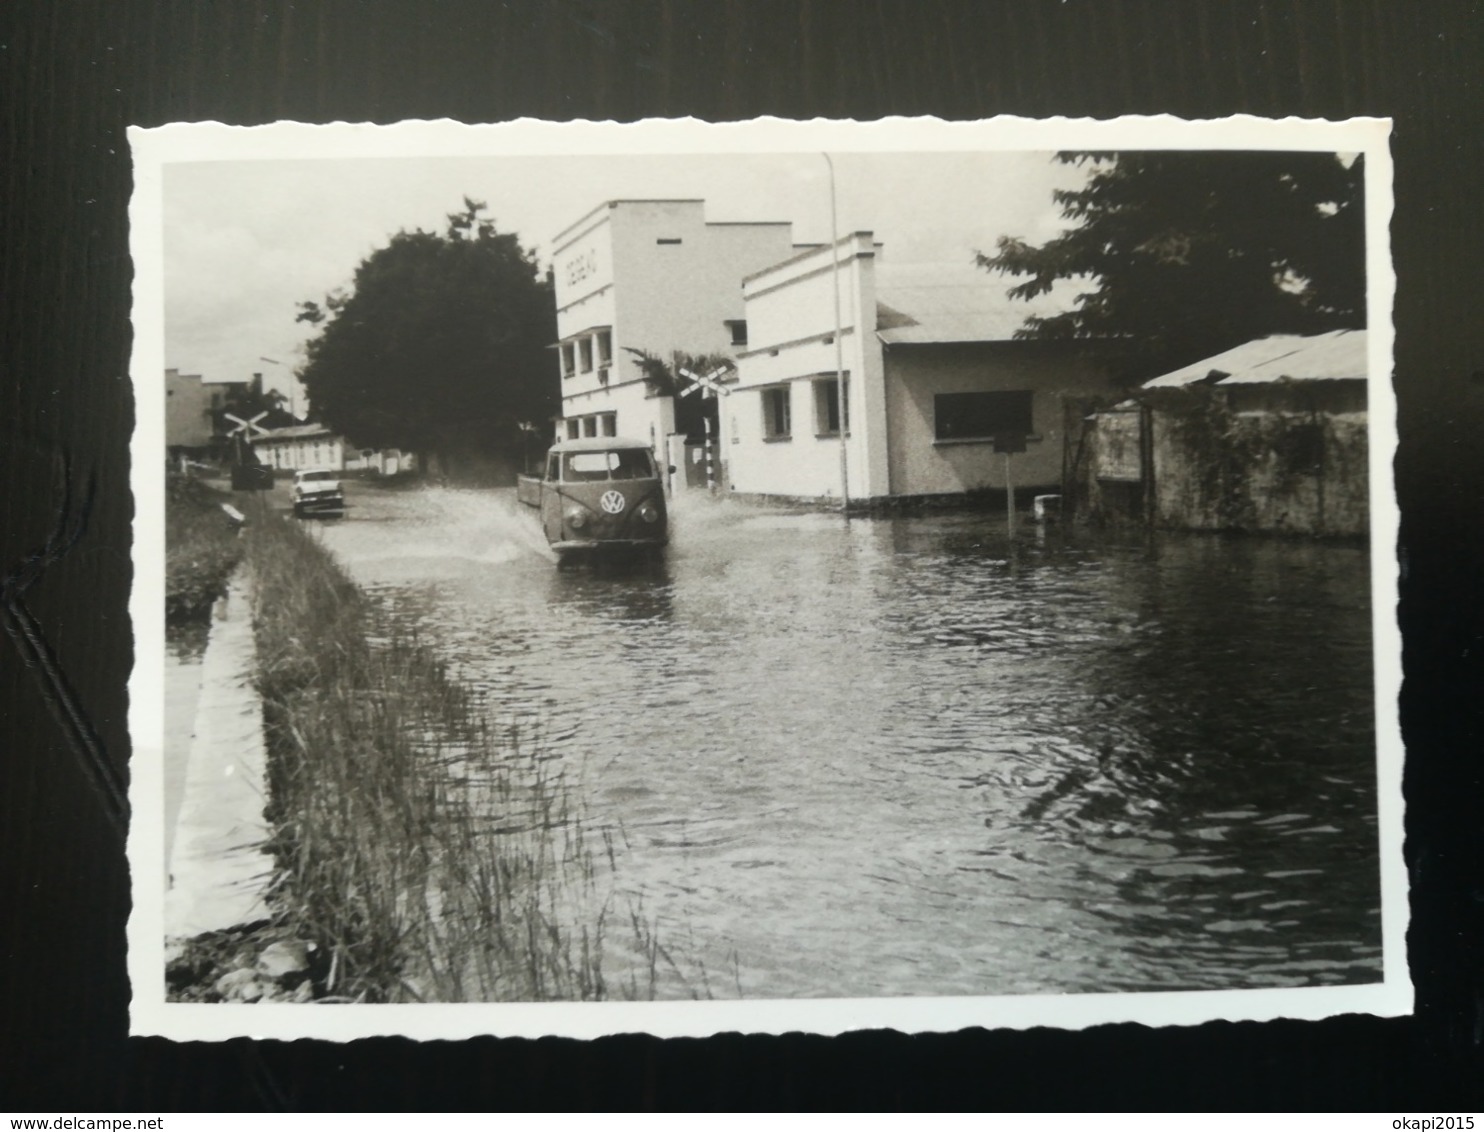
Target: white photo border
{"type": "Point", "coordinates": [156, 149]}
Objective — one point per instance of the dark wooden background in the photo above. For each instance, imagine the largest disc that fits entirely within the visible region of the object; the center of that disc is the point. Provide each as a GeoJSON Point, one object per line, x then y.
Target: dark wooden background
{"type": "Point", "coordinates": [75, 73]}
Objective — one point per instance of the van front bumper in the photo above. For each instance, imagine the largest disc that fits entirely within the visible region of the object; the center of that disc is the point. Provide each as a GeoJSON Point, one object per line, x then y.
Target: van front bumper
{"type": "Point", "coordinates": [604, 543]}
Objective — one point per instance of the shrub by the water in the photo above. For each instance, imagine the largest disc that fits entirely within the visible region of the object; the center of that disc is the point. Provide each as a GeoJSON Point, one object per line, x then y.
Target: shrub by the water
{"type": "Point", "coordinates": [431, 855]}
{"type": "Point", "coordinates": [201, 548]}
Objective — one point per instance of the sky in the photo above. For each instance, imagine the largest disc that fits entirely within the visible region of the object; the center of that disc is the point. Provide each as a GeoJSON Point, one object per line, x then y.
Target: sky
{"type": "Point", "coordinates": [246, 241]}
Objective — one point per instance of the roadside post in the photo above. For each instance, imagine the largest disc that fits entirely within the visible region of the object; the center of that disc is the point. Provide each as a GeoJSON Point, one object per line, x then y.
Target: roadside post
{"type": "Point", "coordinates": [248, 474]}
{"type": "Point", "coordinates": [710, 470]}
{"type": "Point", "coordinates": [1008, 443]}
{"type": "Point", "coordinates": [709, 385]}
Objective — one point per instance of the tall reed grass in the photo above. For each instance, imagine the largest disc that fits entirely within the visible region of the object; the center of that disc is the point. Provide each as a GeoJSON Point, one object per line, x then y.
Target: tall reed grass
{"type": "Point", "coordinates": [430, 855]}
{"type": "Point", "coordinates": [201, 547]}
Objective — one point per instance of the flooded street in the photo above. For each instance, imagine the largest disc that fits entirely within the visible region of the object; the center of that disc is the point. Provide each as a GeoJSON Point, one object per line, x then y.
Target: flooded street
{"type": "Point", "coordinates": [902, 756]}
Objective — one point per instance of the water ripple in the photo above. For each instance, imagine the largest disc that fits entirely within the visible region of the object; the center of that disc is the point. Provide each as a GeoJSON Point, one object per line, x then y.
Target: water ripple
{"type": "Point", "coordinates": [903, 756]}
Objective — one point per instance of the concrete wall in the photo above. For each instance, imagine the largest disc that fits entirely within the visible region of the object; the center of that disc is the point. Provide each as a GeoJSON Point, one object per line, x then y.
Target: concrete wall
{"type": "Point", "coordinates": [1300, 471]}
{"type": "Point", "coordinates": [187, 410]}
{"type": "Point", "coordinates": [791, 325]}
{"type": "Point", "coordinates": [915, 374]}
{"type": "Point", "coordinates": [679, 296]}
{"type": "Point", "coordinates": [386, 462]}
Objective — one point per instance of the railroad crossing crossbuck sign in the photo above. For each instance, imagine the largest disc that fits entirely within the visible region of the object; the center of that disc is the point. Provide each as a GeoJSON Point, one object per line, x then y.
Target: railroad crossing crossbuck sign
{"type": "Point", "coordinates": [247, 428]}
{"type": "Point", "coordinates": [709, 384]}
{"type": "Point", "coordinates": [248, 474]}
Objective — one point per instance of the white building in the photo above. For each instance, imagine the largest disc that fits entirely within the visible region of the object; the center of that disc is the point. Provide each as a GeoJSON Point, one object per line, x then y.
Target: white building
{"type": "Point", "coordinates": [935, 382]}
{"type": "Point", "coordinates": [299, 446]}
{"type": "Point", "coordinates": [656, 276]}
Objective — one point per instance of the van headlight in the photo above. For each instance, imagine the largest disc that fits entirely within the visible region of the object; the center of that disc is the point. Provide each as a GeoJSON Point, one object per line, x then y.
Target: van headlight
{"type": "Point", "coordinates": [649, 512]}
{"type": "Point", "coordinates": [576, 519]}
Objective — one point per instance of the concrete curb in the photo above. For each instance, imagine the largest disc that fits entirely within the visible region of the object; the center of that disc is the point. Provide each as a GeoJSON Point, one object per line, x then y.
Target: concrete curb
{"type": "Point", "coordinates": [219, 869]}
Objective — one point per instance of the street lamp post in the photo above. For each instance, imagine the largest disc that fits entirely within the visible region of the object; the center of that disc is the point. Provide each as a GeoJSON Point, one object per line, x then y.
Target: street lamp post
{"type": "Point", "coordinates": [840, 401]}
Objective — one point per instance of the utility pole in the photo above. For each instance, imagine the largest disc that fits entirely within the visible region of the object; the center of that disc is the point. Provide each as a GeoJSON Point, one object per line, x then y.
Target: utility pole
{"type": "Point", "coordinates": [840, 394]}
{"type": "Point", "coordinates": [1009, 498]}
{"type": "Point", "coordinates": [1008, 443]}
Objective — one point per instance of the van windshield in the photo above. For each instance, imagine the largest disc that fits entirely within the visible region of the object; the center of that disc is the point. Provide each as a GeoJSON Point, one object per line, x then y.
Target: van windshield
{"type": "Point", "coordinates": [620, 464]}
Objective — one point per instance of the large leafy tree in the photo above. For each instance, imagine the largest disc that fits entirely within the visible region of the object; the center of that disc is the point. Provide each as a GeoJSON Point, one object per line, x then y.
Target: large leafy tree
{"type": "Point", "coordinates": [439, 345]}
{"type": "Point", "coordinates": [1184, 254]}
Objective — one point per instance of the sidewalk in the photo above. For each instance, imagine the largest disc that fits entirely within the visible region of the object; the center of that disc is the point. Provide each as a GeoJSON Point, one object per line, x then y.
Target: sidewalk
{"type": "Point", "coordinates": [218, 869]}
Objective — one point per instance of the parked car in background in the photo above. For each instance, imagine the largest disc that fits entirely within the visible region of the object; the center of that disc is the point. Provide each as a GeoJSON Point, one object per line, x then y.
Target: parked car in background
{"type": "Point", "coordinates": [599, 493]}
{"type": "Point", "coordinates": [317, 492]}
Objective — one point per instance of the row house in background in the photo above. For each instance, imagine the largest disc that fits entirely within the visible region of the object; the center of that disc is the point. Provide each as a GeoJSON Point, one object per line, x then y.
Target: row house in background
{"type": "Point", "coordinates": [935, 382]}
{"type": "Point", "coordinates": [299, 447]}
{"type": "Point", "coordinates": [654, 276]}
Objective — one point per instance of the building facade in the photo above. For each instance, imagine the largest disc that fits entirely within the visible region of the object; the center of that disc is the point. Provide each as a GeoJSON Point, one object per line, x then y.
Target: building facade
{"type": "Point", "coordinates": [653, 276]}
{"type": "Point", "coordinates": [188, 411]}
{"type": "Point", "coordinates": [298, 447]}
{"type": "Point", "coordinates": [936, 385]}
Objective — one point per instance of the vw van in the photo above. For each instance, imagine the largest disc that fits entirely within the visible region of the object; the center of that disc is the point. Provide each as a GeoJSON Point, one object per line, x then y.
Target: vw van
{"type": "Point", "coordinates": [599, 493]}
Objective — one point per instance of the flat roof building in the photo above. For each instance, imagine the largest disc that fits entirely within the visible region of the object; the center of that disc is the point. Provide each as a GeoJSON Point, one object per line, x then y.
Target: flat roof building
{"type": "Point", "coordinates": [653, 276]}
{"type": "Point", "coordinates": [935, 380]}
{"type": "Point", "coordinates": [188, 411]}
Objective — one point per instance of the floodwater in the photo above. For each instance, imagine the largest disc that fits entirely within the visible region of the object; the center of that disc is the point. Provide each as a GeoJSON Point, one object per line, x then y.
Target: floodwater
{"type": "Point", "coordinates": [185, 646]}
{"type": "Point", "coordinates": [904, 756]}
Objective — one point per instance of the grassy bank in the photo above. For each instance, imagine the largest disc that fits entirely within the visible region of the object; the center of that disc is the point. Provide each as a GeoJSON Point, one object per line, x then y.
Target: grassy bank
{"type": "Point", "coordinates": [428, 855]}
{"type": "Point", "coordinates": [201, 547]}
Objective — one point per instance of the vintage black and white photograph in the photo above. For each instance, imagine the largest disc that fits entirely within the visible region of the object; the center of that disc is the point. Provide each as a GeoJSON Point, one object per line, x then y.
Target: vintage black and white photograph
{"type": "Point", "coordinates": [778, 576]}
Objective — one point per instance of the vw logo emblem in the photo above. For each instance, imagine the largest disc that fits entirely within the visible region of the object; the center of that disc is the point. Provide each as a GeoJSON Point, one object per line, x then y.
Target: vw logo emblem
{"type": "Point", "coordinates": [612, 502]}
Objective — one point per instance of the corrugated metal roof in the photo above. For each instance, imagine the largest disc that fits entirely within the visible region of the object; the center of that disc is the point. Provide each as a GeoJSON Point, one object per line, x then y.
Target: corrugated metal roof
{"type": "Point", "coordinates": [952, 302]}
{"type": "Point", "coordinates": [1339, 355]}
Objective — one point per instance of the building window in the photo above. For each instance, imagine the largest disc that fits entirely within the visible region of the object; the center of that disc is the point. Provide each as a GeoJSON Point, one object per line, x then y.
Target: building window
{"type": "Point", "coordinates": [574, 429]}
{"type": "Point", "coordinates": [668, 240]}
{"type": "Point", "coordinates": [585, 355]}
{"type": "Point", "coordinates": [827, 408]}
{"type": "Point", "coordinates": [982, 416]}
{"type": "Point", "coordinates": [608, 424]}
{"type": "Point", "coordinates": [568, 359]}
{"type": "Point", "coordinates": [604, 340]}
{"type": "Point", "coordinates": [738, 327]}
{"type": "Point", "coordinates": [589, 426]}
{"type": "Point", "coordinates": [776, 417]}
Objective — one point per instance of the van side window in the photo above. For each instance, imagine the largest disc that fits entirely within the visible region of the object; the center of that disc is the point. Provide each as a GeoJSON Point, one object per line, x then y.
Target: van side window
{"type": "Point", "coordinates": [552, 465]}
{"type": "Point", "coordinates": [632, 464]}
